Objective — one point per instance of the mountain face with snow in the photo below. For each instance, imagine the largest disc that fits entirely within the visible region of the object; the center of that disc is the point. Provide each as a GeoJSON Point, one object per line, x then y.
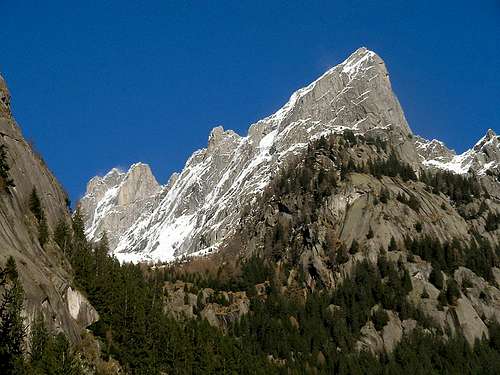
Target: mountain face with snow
{"type": "Point", "coordinates": [201, 206]}
{"type": "Point", "coordinates": [114, 202]}
{"type": "Point", "coordinates": [483, 158]}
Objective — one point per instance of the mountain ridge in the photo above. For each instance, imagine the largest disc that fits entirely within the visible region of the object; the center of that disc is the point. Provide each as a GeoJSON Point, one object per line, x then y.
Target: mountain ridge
{"type": "Point", "coordinates": [219, 180]}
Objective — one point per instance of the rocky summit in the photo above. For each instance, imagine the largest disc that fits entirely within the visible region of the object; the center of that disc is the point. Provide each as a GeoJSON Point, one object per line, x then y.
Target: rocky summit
{"type": "Point", "coordinates": [200, 207]}
{"type": "Point", "coordinates": [117, 200]}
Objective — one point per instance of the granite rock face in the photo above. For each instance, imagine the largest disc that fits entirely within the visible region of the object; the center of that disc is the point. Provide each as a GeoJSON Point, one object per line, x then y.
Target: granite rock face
{"type": "Point", "coordinates": [45, 274]}
{"type": "Point", "coordinates": [220, 309]}
{"type": "Point", "coordinates": [114, 202]}
{"type": "Point", "coordinates": [201, 206]}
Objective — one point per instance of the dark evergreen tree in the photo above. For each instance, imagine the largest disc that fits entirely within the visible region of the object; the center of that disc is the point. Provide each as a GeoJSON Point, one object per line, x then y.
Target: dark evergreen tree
{"type": "Point", "coordinates": [6, 181]}
{"type": "Point", "coordinates": [380, 319]}
{"type": "Point", "coordinates": [436, 277]}
{"type": "Point", "coordinates": [425, 294]}
{"type": "Point", "coordinates": [62, 235]}
{"type": "Point", "coordinates": [393, 246]}
{"type": "Point", "coordinates": [35, 205]}
{"type": "Point", "coordinates": [350, 137]}
{"type": "Point", "coordinates": [369, 235]}
{"type": "Point", "coordinates": [354, 247]}
{"type": "Point", "coordinates": [51, 354]}
{"type": "Point", "coordinates": [384, 195]}
{"type": "Point", "coordinates": [12, 330]}
{"type": "Point", "coordinates": [36, 208]}
{"type": "Point", "coordinates": [418, 227]}
{"type": "Point", "coordinates": [452, 291]}
{"type": "Point", "coordinates": [341, 255]}
{"type": "Point", "coordinates": [43, 231]}
{"type": "Point", "coordinates": [38, 341]}
{"type": "Point", "coordinates": [492, 221]}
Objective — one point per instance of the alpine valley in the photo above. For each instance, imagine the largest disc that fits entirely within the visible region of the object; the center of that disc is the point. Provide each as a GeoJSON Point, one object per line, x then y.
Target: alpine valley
{"type": "Point", "coordinates": [329, 239]}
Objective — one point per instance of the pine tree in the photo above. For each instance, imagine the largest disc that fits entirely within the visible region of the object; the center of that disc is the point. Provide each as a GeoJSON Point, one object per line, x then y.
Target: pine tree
{"type": "Point", "coordinates": [354, 247]}
{"type": "Point", "coordinates": [78, 226]}
{"type": "Point", "coordinates": [393, 246]}
{"type": "Point", "coordinates": [36, 208]}
{"type": "Point", "coordinates": [10, 269]}
{"type": "Point", "coordinates": [407, 285]}
{"type": "Point", "coordinates": [51, 354]}
{"type": "Point", "coordinates": [384, 195]}
{"type": "Point", "coordinates": [6, 181]}
{"type": "Point", "coordinates": [443, 301]}
{"type": "Point", "coordinates": [452, 291]}
{"type": "Point", "coordinates": [12, 330]}
{"type": "Point", "coordinates": [418, 227]}
{"type": "Point", "coordinates": [380, 318]}
{"type": "Point", "coordinates": [341, 255]}
{"type": "Point", "coordinates": [436, 277]}
{"type": "Point", "coordinates": [62, 235]}
{"type": "Point", "coordinates": [43, 231]}
{"type": "Point", "coordinates": [35, 205]}
{"type": "Point", "coordinates": [39, 340]}
{"type": "Point", "coordinates": [370, 233]}
{"type": "Point", "coordinates": [492, 221]}
{"type": "Point", "coordinates": [424, 294]}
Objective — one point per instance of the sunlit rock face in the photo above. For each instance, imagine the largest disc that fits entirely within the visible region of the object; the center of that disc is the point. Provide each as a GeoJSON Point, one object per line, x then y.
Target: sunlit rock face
{"type": "Point", "coordinates": [114, 202]}
{"type": "Point", "coordinates": [201, 206]}
{"type": "Point", "coordinates": [46, 279]}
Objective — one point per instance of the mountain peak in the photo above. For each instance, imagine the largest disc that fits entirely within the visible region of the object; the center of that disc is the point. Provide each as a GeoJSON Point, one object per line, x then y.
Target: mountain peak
{"type": "Point", "coordinates": [218, 136]}
{"type": "Point", "coordinates": [490, 133]}
{"type": "Point", "coordinates": [114, 201]}
{"type": "Point", "coordinates": [347, 96]}
{"type": "Point", "coordinates": [490, 140]}
{"type": "Point", "coordinates": [140, 168]}
{"type": "Point", "coordinates": [362, 56]}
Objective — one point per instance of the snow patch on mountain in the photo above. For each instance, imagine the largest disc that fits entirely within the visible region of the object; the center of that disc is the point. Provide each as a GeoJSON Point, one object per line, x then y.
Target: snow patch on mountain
{"type": "Point", "coordinates": [483, 157]}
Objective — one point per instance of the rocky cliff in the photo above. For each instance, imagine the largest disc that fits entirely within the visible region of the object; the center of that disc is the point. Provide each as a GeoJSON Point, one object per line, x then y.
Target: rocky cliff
{"type": "Point", "coordinates": [114, 202]}
{"type": "Point", "coordinates": [201, 206]}
{"type": "Point", "coordinates": [45, 272]}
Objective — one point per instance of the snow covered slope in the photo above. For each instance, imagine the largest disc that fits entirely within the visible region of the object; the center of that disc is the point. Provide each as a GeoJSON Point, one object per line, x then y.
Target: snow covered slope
{"type": "Point", "coordinates": [484, 157]}
{"type": "Point", "coordinates": [201, 206]}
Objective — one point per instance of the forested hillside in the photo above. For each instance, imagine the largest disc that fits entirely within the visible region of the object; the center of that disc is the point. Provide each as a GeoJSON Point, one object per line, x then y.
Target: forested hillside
{"type": "Point", "coordinates": [280, 334]}
{"type": "Point", "coordinates": [317, 302]}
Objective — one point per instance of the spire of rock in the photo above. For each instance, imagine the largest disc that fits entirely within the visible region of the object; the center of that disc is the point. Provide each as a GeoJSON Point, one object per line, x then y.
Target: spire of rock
{"type": "Point", "coordinates": [113, 202]}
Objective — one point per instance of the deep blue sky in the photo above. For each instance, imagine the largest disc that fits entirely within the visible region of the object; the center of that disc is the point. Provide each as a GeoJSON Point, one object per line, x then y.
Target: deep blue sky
{"type": "Point", "coordinates": [109, 83]}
